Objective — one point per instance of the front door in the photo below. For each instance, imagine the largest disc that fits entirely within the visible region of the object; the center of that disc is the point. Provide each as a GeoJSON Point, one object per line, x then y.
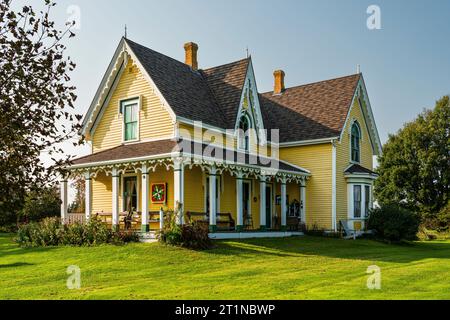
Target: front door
{"type": "Point", "coordinates": [269, 207]}
{"type": "Point", "coordinates": [130, 198]}
{"type": "Point", "coordinates": [246, 200]}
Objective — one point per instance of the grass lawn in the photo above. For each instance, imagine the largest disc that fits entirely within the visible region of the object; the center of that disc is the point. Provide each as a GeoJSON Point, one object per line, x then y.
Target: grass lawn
{"type": "Point", "coordinates": [294, 268]}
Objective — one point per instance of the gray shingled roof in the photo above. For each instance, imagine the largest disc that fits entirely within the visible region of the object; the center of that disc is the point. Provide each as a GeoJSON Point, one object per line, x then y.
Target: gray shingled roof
{"type": "Point", "coordinates": [165, 147]}
{"type": "Point", "coordinates": [312, 111]}
{"type": "Point", "coordinates": [227, 82]}
{"type": "Point", "coordinates": [185, 90]}
{"type": "Point", "coordinates": [307, 112]}
{"type": "Point", "coordinates": [358, 169]}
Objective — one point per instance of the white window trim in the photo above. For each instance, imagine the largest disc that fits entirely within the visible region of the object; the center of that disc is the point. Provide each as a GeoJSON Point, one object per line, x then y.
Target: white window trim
{"type": "Point", "coordinates": [351, 202]}
{"type": "Point", "coordinates": [246, 134]}
{"type": "Point", "coordinates": [355, 121]}
{"type": "Point", "coordinates": [129, 101]}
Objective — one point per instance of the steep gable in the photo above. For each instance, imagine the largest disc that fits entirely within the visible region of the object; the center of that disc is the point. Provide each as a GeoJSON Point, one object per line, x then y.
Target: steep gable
{"type": "Point", "coordinates": [249, 104]}
{"type": "Point", "coordinates": [216, 96]}
{"type": "Point", "coordinates": [154, 120]}
{"type": "Point", "coordinates": [226, 83]}
{"type": "Point", "coordinates": [312, 111]}
{"type": "Point", "coordinates": [185, 90]}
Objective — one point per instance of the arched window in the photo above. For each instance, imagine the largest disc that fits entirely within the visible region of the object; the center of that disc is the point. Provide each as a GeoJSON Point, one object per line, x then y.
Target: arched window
{"type": "Point", "coordinates": [356, 142]}
{"type": "Point", "coordinates": [243, 135]}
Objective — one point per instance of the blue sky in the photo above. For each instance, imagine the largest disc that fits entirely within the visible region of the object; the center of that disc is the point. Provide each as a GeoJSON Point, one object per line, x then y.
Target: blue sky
{"type": "Point", "coordinates": [406, 64]}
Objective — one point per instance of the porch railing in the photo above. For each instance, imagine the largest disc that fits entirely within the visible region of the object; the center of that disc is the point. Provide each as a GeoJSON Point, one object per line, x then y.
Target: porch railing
{"type": "Point", "coordinates": [75, 217]}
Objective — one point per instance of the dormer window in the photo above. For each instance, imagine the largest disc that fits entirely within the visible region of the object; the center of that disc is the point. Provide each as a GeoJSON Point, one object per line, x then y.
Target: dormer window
{"type": "Point", "coordinates": [356, 143]}
{"type": "Point", "coordinates": [243, 134]}
{"type": "Point", "coordinates": [130, 111]}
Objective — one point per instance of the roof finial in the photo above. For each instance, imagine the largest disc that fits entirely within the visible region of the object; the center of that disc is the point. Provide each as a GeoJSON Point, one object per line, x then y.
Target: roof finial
{"type": "Point", "coordinates": [125, 31]}
{"type": "Point", "coordinates": [247, 52]}
{"type": "Point", "coordinates": [358, 69]}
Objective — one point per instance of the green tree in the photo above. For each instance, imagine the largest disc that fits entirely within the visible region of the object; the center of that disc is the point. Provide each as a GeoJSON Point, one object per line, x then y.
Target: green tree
{"type": "Point", "coordinates": [415, 166]}
{"type": "Point", "coordinates": [36, 100]}
{"type": "Point", "coordinates": [41, 204]}
{"type": "Point", "coordinates": [79, 203]}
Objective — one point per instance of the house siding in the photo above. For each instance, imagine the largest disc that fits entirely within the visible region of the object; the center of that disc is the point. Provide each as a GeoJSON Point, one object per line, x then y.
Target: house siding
{"type": "Point", "coordinates": [343, 158]}
{"type": "Point", "coordinates": [211, 136]}
{"type": "Point", "coordinates": [318, 160]}
{"type": "Point", "coordinates": [155, 121]}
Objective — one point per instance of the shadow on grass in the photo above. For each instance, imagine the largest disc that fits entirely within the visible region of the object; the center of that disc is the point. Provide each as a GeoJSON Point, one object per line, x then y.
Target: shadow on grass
{"type": "Point", "coordinates": [15, 265]}
{"type": "Point", "coordinates": [335, 248]}
{"type": "Point", "coordinates": [9, 248]}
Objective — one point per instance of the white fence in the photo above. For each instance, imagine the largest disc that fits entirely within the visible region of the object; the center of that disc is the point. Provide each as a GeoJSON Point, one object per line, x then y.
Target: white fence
{"type": "Point", "coordinates": [75, 217]}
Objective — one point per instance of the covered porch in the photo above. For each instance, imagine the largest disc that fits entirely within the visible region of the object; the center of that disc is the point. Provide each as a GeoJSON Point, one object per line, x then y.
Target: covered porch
{"type": "Point", "coordinates": [239, 197]}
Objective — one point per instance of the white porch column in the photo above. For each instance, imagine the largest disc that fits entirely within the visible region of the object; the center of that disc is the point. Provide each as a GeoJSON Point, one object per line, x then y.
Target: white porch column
{"type": "Point", "coordinates": [161, 219]}
{"type": "Point", "coordinates": [212, 199]}
{"type": "Point", "coordinates": [115, 199]}
{"type": "Point", "coordinates": [283, 205]}
{"type": "Point", "coordinates": [64, 199]}
{"type": "Point", "coordinates": [178, 177]}
{"type": "Point", "coordinates": [262, 204]}
{"type": "Point", "coordinates": [303, 197]}
{"type": "Point", "coordinates": [145, 227]}
{"type": "Point", "coordinates": [239, 208]}
{"type": "Point", "coordinates": [88, 195]}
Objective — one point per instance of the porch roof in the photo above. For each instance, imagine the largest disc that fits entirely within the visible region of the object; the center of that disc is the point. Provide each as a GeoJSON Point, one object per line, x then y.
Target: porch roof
{"type": "Point", "coordinates": [358, 169]}
{"type": "Point", "coordinates": [172, 148]}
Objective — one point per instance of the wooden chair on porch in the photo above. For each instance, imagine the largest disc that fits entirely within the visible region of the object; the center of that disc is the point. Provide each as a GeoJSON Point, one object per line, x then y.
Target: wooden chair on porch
{"type": "Point", "coordinates": [199, 217]}
{"type": "Point", "coordinates": [225, 222]}
{"type": "Point", "coordinates": [105, 217]}
{"type": "Point", "coordinates": [248, 223]}
{"type": "Point", "coordinates": [132, 221]}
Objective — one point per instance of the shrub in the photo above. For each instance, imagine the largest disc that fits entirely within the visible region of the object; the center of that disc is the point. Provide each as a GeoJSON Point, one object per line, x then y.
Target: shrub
{"type": "Point", "coordinates": [74, 235]}
{"type": "Point", "coordinates": [196, 236]}
{"type": "Point", "coordinates": [192, 235]}
{"type": "Point", "coordinates": [393, 223]}
{"type": "Point", "coordinates": [120, 237]}
{"type": "Point", "coordinates": [50, 232]}
{"type": "Point", "coordinates": [171, 233]}
{"type": "Point", "coordinates": [439, 222]}
{"type": "Point", "coordinates": [444, 219]}
{"type": "Point", "coordinates": [8, 228]}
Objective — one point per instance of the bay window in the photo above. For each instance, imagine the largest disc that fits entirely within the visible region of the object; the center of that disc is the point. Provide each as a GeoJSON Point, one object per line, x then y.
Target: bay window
{"type": "Point", "coordinates": [357, 201]}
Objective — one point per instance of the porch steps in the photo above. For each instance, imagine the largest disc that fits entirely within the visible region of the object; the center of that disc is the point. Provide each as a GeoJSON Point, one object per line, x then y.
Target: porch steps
{"type": "Point", "coordinates": [148, 237]}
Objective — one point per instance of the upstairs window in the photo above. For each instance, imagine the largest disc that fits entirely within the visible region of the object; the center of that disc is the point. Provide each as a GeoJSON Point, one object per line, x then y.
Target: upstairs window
{"type": "Point", "coordinates": [356, 143]}
{"type": "Point", "coordinates": [130, 111]}
{"type": "Point", "coordinates": [243, 135]}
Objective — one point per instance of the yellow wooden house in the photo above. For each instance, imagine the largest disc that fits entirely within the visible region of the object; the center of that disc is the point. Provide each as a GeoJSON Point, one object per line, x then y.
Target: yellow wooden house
{"type": "Point", "coordinates": [168, 135]}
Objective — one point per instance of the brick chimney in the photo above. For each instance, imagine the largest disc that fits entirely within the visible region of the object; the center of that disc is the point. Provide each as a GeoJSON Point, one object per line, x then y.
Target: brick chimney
{"type": "Point", "coordinates": [279, 82]}
{"type": "Point", "coordinates": [191, 49]}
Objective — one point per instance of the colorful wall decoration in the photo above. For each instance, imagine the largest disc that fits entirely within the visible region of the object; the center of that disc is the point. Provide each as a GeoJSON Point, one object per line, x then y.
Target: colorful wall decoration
{"type": "Point", "coordinates": [159, 193]}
